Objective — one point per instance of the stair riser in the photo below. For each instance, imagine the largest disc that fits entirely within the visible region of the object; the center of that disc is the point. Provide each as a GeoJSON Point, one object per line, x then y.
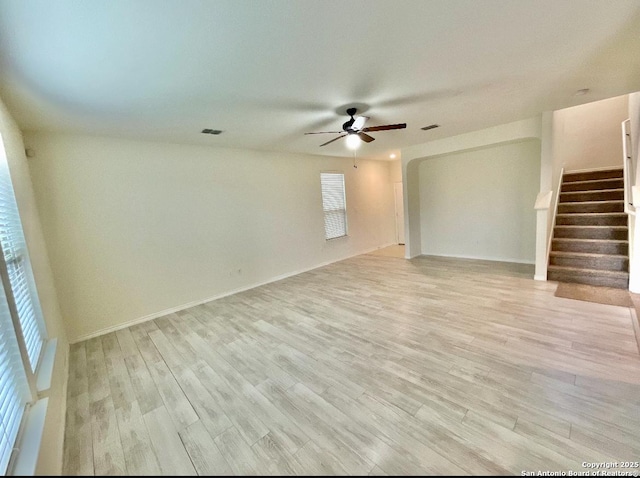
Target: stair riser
{"type": "Point", "coordinates": [592, 247]}
{"type": "Point", "coordinates": [562, 276]}
{"type": "Point", "coordinates": [569, 208]}
{"type": "Point", "coordinates": [615, 195]}
{"type": "Point", "coordinates": [592, 175]}
{"type": "Point", "coordinates": [575, 220]}
{"type": "Point", "coordinates": [590, 233]}
{"type": "Point", "coordinates": [592, 186]}
{"type": "Point", "coordinates": [612, 263]}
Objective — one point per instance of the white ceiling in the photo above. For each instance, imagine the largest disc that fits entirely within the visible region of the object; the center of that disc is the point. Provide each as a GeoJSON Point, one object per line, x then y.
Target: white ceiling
{"type": "Point", "coordinates": [267, 71]}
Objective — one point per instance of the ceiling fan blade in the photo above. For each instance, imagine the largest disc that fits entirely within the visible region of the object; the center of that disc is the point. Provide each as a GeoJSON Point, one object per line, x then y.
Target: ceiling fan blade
{"type": "Point", "coordinates": [385, 127]}
{"type": "Point", "coordinates": [334, 139]}
{"type": "Point", "coordinates": [365, 137]}
{"type": "Point", "coordinates": [326, 132]}
{"type": "Point", "coordinates": [359, 123]}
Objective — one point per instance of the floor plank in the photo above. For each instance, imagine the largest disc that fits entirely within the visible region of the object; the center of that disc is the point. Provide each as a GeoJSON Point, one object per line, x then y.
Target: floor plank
{"type": "Point", "coordinates": [172, 455]}
{"type": "Point", "coordinates": [204, 453]}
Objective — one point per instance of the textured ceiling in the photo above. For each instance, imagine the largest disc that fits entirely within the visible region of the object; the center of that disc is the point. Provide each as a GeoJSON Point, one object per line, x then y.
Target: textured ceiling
{"type": "Point", "coordinates": [265, 71]}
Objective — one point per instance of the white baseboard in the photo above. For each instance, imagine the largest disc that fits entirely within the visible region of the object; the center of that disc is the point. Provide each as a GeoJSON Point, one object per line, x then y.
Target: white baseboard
{"type": "Point", "coordinates": [161, 313]}
{"type": "Point", "coordinates": [541, 277]}
{"type": "Point", "coordinates": [482, 258]}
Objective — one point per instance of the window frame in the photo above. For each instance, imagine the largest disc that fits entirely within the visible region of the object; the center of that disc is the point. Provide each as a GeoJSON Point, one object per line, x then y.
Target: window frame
{"type": "Point", "coordinates": [325, 211]}
{"type": "Point", "coordinates": [29, 431]}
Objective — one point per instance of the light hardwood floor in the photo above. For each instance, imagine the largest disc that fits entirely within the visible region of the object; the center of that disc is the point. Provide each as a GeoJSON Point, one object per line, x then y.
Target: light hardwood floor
{"type": "Point", "coordinates": [396, 250]}
{"type": "Point", "coordinates": [374, 365]}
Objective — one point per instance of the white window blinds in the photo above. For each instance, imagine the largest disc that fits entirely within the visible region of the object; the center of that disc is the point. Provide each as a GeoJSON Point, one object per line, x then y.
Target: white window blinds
{"type": "Point", "coordinates": [19, 272]}
{"type": "Point", "coordinates": [14, 390]}
{"type": "Point", "coordinates": [334, 205]}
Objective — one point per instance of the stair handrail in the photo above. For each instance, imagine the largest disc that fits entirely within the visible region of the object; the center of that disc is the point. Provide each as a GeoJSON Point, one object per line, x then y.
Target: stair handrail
{"type": "Point", "coordinates": [627, 168]}
{"type": "Point", "coordinates": [554, 214]}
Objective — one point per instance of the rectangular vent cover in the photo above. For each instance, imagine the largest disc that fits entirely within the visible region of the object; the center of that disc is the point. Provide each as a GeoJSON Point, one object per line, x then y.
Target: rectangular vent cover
{"type": "Point", "coordinates": [431, 126]}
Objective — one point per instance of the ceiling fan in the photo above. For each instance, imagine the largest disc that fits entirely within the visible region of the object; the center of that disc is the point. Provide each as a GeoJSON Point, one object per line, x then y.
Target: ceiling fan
{"type": "Point", "coordinates": [354, 126]}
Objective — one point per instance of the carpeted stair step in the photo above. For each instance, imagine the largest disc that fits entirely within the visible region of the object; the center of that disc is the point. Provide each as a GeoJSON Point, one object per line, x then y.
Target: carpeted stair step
{"type": "Point", "coordinates": [592, 219]}
{"type": "Point", "coordinates": [617, 279]}
{"type": "Point", "coordinates": [591, 206]}
{"type": "Point", "coordinates": [596, 246]}
{"type": "Point", "coordinates": [591, 232]}
{"type": "Point", "coordinates": [584, 260]}
{"type": "Point", "coordinates": [592, 175]}
{"type": "Point", "coordinates": [598, 195]}
{"type": "Point", "coordinates": [592, 185]}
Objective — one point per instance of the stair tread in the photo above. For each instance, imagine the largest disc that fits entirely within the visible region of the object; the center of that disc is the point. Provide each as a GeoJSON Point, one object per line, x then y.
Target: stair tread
{"type": "Point", "coordinates": [598, 272]}
{"type": "Point", "coordinates": [574, 226]}
{"type": "Point", "coordinates": [596, 202]}
{"type": "Point", "coordinates": [573, 214]}
{"type": "Point", "coordinates": [595, 180]}
{"type": "Point", "coordinates": [592, 171]}
{"type": "Point", "coordinates": [592, 191]}
{"type": "Point", "coordinates": [621, 241]}
{"type": "Point", "coordinates": [587, 254]}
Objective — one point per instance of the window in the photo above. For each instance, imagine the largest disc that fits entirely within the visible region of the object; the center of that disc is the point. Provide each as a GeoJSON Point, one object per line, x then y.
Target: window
{"type": "Point", "coordinates": [14, 391]}
{"type": "Point", "coordinates": [334, 205]}
{"type": "Point", "coordinates": [18, 268]}
{"type": "Point", "coordinates": [22, 330]}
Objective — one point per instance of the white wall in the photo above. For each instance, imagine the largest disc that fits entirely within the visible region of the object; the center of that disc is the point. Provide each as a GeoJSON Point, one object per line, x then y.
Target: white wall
{"type": "Point", "coordinates": [479, 204]}
{"type": "Point", "coordinates": [136, 228]}
{"type": "Point", "coordinates": [634, 224]}
{"type": "Point", "coordinates": [412, 156]}
{"type": "Point", "coordinates": [634, 117]}
{"type": "Point", "coordinates": [50, 457]}
{"type": "Point", "coordinates": [545, 212]}
{"type": "Point", "coordinates": [588, 136]}
{"type": "Point", "coordinates": [396, 170]}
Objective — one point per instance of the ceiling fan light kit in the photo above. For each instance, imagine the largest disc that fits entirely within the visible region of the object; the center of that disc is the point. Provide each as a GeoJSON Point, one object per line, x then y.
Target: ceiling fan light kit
{"type": "Point", "coordinates": [355, 131]}
{"type": "Point", "coordinates": [353, 141]}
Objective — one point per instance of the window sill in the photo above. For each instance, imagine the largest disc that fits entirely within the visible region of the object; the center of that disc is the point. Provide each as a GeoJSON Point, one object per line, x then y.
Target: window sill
{"type": "Point", "coordinates": [29, 447]}
{"type": "Point", "coordinates": [27, 457]}
{"type": "Point", "coordinates": [45, 371]}
{"type": "Point", "coordinates": [337, 237]}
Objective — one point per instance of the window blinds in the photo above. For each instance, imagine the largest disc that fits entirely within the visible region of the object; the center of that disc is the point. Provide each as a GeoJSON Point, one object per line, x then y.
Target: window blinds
{"type": "Point", "coordinates": [334, 205]}
{"type": "Point", "coordinates": [14, 390]}
{"type": "Point", "coordinates": [18, 267]}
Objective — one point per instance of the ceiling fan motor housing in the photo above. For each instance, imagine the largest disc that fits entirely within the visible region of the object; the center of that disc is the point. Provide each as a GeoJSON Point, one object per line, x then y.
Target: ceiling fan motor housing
{"type": "Point", "coordinates": [347, 125]}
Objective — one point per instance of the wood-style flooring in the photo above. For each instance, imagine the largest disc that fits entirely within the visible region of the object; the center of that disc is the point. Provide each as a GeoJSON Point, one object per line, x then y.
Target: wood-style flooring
{"type": "Point", "coordinates": [373, 365]}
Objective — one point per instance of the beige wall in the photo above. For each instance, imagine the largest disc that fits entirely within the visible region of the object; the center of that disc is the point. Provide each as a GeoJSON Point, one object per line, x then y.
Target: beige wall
{"type": "Point", "coordinates": [136, 228]}
{"type": "Point", "coordinates": [479, 204]}
{"type": "Point", "coordinates": [50, 458]}
{"type": "Point", "coordinates": [588, 136]}
{"type": "Point", "coordinates": [395, 169]}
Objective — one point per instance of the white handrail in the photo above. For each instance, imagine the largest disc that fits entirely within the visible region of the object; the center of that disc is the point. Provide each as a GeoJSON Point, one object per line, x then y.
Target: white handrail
{"type": "Point", "coordinates": [555, 213]}
{"type": "Point", "coordinates": [627, 168]}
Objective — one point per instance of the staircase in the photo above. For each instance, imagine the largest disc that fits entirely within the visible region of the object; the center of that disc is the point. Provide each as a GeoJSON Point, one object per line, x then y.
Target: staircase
{"type": "Point", "coordinates": [590, 240]}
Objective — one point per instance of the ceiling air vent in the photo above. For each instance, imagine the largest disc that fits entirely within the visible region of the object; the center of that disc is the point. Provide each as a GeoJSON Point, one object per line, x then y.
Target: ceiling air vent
{"type": "Point", "coordinates": [431, 126]}
{"type": "Point", "coordinates": [211, 131]}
